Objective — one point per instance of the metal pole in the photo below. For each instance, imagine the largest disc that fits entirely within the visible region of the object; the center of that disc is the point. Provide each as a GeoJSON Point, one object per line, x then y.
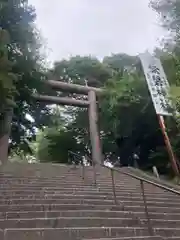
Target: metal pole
{"type": "Point", "coordinates": [168, 145]}
{"type": "Point", "coordinates": [146, 209]}
{"type": "Point", "coordinates": [93, 126]}
{"type": "Point", "coordinates": [83, 171]}
{"type": "Point", "coordinates": [113, 186]}
{"type": "Point", "coordinates": [94, 172]}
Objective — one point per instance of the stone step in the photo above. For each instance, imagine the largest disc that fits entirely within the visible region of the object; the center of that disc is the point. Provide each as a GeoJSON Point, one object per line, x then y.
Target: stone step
{"type": "Point", "coordinates": [70, 173]}
{"type": "Point", "coordinates": [105, 184]}
{"type": "Point", "coordinates": [41, 180]}
{"type": "Point", "coordinates": [72, 185]}
{"type": "Point", "coordinates": [85, 233]}
{"type": "Point", "coordinates": [63, 222]}
{"type": "Point", "coordinates": [24, 178]}
{"type": "Point", "coordinates": [77, 175]}
{"type": "Point", "coordinates": [50, 207]}
{"type": "Point", "coordinates": [132, 238]}
{"type": "Point", "coordinates": [38, 182]}
{"type": "Point", "coordinates": [67, 222]}
{"type": "Point", "coordinates": [64, 207]}
{"type": "Point", "coordinates": [71, 213]}
{"type": "Point", "coordinates": [73, 182]}
{"type": "Point", "coordinates": [71, 179]}
{"type": "Point", "coordinates": [153, 209]}
{"type": "Point", "coordinates": [70, 233]}
{"type": "Point", "coordinates": [37, 185]}
{"type": "Point", "coordinates": [150, 204]}
{"type": "Point", "coordinates": [82, 191]}
{"type": "Point", "coordinates": [82, 186]}
{"type": "Point", "coordinates": [76, 195]}
{"type": "Point", "coordinates": [87, 188]}
{"type": "Point", "coordinates": [86, 213]}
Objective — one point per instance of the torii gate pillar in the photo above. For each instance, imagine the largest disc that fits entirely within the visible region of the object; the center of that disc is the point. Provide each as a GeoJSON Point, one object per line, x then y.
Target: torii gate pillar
{"type": "Point", "coordinates": [93, 127]}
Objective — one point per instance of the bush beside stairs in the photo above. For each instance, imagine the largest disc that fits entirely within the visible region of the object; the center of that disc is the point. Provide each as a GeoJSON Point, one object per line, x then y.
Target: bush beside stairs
{"type": "Point", "coordinates": [59, 202]}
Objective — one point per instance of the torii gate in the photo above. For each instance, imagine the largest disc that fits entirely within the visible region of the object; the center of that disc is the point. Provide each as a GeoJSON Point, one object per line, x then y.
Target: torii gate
{"type": "Point", "coordinates": [90, 104]}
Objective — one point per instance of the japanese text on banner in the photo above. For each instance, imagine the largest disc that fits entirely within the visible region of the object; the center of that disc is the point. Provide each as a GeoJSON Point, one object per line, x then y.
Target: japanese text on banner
{"type": "Point", "coordinates": [157, 83]}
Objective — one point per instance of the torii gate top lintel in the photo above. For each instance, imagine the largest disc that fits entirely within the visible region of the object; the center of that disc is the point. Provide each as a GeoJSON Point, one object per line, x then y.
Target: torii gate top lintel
{"type": "Point", "coordinates": [74, 88]}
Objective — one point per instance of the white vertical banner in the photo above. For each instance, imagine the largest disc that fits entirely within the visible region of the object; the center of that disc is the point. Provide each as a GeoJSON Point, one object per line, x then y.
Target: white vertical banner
{"type": "Point", "coordinates": [157, 83]}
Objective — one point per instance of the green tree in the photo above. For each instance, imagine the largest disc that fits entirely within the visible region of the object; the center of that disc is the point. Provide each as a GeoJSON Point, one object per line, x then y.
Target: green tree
{"type": "Point", "coordinates": [7, 90]}
{"type": "Point", "coordinates": [81, 70]}
{"type": "Point", "coordinates": [17, 18]}
{"type": "Point", "coordinates": [55, 144]}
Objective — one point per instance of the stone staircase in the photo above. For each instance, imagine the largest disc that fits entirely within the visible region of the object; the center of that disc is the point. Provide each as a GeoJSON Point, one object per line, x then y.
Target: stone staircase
{"type": "Point", "coordinates": [59, 202]}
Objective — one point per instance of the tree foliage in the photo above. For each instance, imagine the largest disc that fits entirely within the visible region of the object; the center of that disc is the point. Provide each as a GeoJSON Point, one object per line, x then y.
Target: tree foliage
{"type": "Point", "coordinates": [55, 145]}
{"type": "Point", "coordinates": [21, 70]}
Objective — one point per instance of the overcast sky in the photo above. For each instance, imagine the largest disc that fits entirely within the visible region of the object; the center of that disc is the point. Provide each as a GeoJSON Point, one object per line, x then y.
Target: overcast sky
{"type": "Point", "coordinates": [96, 27]}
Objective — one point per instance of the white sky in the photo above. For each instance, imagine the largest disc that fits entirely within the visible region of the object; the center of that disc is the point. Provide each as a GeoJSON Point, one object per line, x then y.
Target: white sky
{"type": "Point", "coordinates": [96, 27]}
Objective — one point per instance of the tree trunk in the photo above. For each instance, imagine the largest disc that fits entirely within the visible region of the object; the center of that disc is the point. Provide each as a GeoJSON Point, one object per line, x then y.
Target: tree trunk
{"type": "Point", "coordinates": [5, 133]}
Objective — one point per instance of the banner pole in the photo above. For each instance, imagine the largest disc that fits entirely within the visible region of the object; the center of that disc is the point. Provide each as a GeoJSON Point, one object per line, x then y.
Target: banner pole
{"type": "Point", "coordinates": [168, 144]}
